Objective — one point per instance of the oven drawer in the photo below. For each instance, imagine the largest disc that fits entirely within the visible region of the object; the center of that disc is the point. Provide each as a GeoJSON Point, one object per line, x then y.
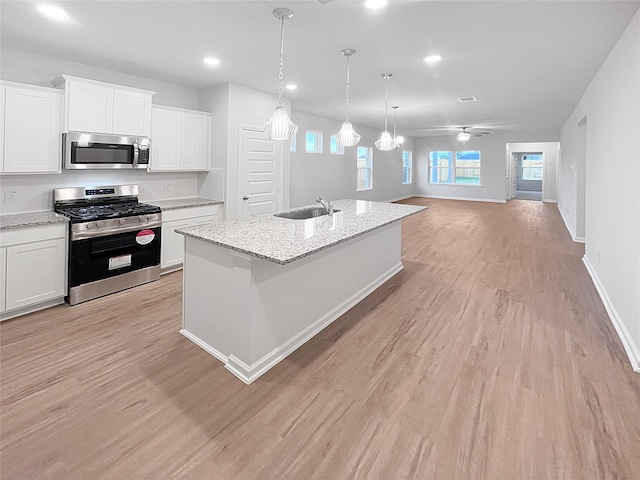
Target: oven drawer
{"type": "Point", "coordinates": [93, 259]}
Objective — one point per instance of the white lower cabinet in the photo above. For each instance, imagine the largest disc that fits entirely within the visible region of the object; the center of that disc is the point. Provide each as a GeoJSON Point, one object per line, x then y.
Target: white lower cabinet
{"type": "Point", "coordinates": [172, 253]}
{"type": "Point", "coordinates": [34, 261]}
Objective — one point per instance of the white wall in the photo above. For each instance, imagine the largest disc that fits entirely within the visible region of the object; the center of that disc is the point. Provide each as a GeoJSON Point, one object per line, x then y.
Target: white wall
{"type": "Point", "coordinates": [34, 192]}
{"type": "Point", "coordinates": [333, 176]}
{"type": "Point", "coordinates": [493, 170]}
{"type": "Point", "coordinates": [611, 105]}
{"type": "Point", "coordinates": [234, 106]}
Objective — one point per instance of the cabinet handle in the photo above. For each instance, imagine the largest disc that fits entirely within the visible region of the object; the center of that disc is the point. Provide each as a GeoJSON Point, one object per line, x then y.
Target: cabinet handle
{"type": "Point", "coordinates": [245, 198]}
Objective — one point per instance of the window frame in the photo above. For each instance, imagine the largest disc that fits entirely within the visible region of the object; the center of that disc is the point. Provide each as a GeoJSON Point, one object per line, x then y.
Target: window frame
{"type": "Point", "coordinates": [453, 167]}
{"type": "Point", "coordinates": [539, 168]}
{"type": "Point", "coordinates": [317, 143]}
{"type": "Point", "coordinates": [367, 168]}
{"type": "Point", "coordinates": [407, 168]}
{"type": "Point", "coordinates": [339, 149]}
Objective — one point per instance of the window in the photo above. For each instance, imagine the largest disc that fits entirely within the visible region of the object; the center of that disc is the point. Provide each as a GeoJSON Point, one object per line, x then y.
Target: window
{"type": "Point", "coordinates": [468, 167]}
{"type": "Point", "coordinates": [293, 143]}
{"type": "Point", "coordinates": [365, 168]}
{"type": "Point", "coordinates": [335, 146]}
{"type": "Point", "coordinates": [407, 167]}
{"type": "Point", "coordinates": [532, 167]}
{"type": "Point", "coordinates": [314, 141]}
{"type": "Point", "coordinates": [461, 168]}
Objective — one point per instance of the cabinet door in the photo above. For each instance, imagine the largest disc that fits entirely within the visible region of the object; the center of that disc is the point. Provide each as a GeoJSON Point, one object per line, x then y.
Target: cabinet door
{"type": "Point", "coordinates": [90, 107]}
{"type": "Point", "coordinates": [131, 113]}
{"type": "Point", "coordinates": [2, 123]}
{"type": "Point", "coordinates": [172, 249]}
{"type": "Point", "coordinates": [195, 144]}
{"type": "Point", "coordinates": [35, 272]}
{"type": "Point", "coordinates": [3, 278]}
{"type": "Point", "coordinates": [32, 130]}
{"type": "Point", "coordinates": [165, 140]}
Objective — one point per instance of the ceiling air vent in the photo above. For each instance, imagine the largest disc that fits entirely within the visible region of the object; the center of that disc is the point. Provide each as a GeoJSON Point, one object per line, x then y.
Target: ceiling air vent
{"type": "Point", "coordinates": [467, 99]}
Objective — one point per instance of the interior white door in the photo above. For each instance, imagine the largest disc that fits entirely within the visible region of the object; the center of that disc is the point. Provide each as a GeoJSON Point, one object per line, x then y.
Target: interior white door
{"type": "Point", "coordinates": [261, 167]}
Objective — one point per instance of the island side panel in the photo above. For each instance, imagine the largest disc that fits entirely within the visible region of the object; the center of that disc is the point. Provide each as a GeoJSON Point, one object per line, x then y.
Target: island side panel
{"type": "Point", "coordinates": [260, 311]}
{"type": "Point", "coordinates": [216, 307]}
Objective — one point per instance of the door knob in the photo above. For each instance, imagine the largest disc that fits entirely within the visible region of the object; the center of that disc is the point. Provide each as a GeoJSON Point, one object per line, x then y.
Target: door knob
{"type": "Point", "coordinates": [245, 198]}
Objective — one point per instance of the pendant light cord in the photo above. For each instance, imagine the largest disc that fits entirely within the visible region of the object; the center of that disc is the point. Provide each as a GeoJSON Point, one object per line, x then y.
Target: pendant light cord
{"type": "Point", "coordinates": [348, 58]}
{"type": "Point", "coordinates": [280, 75]}
{"type": "Point", "coordinates": [386, 89]}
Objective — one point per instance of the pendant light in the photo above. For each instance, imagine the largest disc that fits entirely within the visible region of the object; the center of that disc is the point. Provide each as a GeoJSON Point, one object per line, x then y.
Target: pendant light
{"type": "Point", "coordinates": [347, 137]}
{"type": "Point", "coordinates": [385, 142]}
{"type": "Point", "coordinates": [279, 127]}
{"type": "Point", "coordinates": [399, 140]}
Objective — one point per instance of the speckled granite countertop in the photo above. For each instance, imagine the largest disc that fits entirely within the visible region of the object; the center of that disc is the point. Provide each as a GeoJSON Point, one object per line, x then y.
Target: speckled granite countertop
{"type": "Point", "coordinates": [283, 241]}
{"type": "Point", "coordinates": [184, 203]}
{"type": "Point", "coordinates": [30, 219]}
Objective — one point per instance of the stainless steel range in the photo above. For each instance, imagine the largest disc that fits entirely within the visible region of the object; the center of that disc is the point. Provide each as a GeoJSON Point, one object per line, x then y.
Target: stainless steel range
{"type": "Point", "coordinates": [114, 239]}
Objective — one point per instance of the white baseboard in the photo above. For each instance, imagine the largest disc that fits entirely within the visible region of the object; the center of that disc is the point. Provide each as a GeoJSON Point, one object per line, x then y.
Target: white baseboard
{"type": "Point", "coordinates": [205, 346]}
{"type": "Point", "coordinates": [468, 199]}
{"type": "Point", "coordinates": [566, 224]}
{"type": "Point", "coordinates": [30, 309]}
{"type": "Point", "coordinates": [249, 373]}
{"type": "Point", "coordinates": [633, 351]}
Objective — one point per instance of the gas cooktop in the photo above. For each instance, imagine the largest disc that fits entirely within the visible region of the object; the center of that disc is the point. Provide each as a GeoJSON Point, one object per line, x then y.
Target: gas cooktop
{"type": "Point", "coordinates": [100, 212]}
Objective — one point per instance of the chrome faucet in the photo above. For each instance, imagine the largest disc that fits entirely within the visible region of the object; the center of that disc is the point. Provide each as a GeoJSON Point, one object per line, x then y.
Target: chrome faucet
{"type": "Point", "coordinates": [328, 206]}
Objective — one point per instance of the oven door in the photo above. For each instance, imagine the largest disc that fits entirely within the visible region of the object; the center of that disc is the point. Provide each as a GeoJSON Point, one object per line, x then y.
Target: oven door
{"type": "Point", "coordinates": [102, 257]}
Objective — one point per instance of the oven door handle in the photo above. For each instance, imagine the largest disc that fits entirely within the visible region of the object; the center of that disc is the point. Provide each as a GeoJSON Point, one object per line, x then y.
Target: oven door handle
{"type": "Point", "coordinates": [112, 231]}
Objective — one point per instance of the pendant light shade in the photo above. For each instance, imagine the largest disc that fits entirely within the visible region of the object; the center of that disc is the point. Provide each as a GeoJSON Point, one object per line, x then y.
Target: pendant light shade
{"type": "Point", "coordinates": [385, 142]}
{"type": "Point", "coordinates": [464, 136]}
{"type": "Point", "coordinates": [399, 139]}
{"type": "Point", "coordinates": [280, 127]}
{"type": "Point", "coordinates": [347, 137]}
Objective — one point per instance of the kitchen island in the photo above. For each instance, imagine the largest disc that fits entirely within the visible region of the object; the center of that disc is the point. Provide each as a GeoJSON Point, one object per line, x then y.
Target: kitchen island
{"type": "Point", "coordinates": [256, 289]}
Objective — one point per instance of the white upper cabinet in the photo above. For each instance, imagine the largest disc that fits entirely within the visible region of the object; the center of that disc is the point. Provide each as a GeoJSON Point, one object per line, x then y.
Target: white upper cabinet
{"type": "Point", "coordinates": [99, 107]}
{"type": "Point", "coordinates": [31, 126]}
{"type": "Point", "coordinates": [180, 139]}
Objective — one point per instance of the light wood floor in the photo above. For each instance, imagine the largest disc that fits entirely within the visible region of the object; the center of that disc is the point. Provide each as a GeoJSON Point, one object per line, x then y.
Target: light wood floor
{"type": "Point", "coordinates": [490, 356]}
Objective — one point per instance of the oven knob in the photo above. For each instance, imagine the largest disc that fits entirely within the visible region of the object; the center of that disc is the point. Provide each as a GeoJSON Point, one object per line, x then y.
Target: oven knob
{"type": "Point", "coordinates": [89, 225]}
{"type": "Point", "coordinates": [143, 218]}
{"type": "Point", "coordinates": [99, 224]}
{"type": "Point", "coordinates": [123, 221]}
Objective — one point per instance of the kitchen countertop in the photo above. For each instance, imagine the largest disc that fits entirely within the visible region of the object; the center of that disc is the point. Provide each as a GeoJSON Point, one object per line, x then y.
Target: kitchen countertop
{"type": "Point", "coordinates": [30, 219]}
{"type": "Point", "coordinates": [184, 203]}
{"type": "Point", "coordinates": [282, 240]}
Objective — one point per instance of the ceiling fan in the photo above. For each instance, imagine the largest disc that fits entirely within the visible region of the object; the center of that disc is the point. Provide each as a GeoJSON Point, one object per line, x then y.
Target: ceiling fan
{"type": "Point", "coordinates": [465, 134]}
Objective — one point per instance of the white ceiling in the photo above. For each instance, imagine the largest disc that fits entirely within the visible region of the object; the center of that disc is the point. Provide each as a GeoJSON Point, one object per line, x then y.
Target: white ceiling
{"type": "Point", "coordinates": [528, 62]}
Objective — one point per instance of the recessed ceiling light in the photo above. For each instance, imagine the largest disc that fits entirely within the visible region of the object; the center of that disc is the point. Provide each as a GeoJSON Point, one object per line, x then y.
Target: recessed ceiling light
{"type": "Point", "coordinates": [211, 61]}
{"type": "Point", "coordinates": [54, 13]}
{"type": "Point", "coordinates": [291, 86]}
{"type": "Point", "coordinates": [467, 99]}
{"type": "Point", "coordinates": [375, 4]}
{"type": "Point", "coordinates": [432, 58]}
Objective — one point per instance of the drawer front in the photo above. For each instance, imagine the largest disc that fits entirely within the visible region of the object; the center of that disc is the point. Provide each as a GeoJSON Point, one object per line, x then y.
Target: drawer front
{"type": "Point", "coordinates": [17, 236]}
{"type": "Point", "coordinates": [189, 212]}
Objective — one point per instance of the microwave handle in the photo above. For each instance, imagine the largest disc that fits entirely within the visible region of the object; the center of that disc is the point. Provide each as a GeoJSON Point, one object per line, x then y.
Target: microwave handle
{"type": "Point", "coordinates": [136, 154]}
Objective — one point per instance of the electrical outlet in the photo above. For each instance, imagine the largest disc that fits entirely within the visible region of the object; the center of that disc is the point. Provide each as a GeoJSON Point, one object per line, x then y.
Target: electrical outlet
{"type": "Point", "coordinates": [11, 196]}
{"type": "Point", "coordinates": [166, 187]}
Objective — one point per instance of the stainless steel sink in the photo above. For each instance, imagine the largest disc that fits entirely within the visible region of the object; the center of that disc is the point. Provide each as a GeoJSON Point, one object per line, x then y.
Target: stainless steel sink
{"type": "Point", "coordinates": [305, 213]}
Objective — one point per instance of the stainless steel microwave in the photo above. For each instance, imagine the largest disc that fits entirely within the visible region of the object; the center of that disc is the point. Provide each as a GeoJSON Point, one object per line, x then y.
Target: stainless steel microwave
{"type": "Point", "coordinates": [95, 151]}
